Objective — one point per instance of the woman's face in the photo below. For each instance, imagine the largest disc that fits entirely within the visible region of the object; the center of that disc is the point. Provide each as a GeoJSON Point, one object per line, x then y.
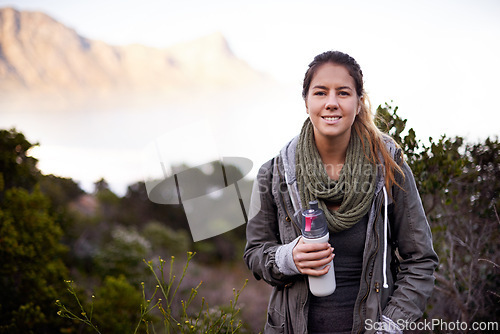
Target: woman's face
{"type": "Point", "coordinates": [332, 103]}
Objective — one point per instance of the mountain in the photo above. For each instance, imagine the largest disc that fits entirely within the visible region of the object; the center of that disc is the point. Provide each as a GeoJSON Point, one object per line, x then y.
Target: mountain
{"type": "Point", "coordinates": [40, 55]}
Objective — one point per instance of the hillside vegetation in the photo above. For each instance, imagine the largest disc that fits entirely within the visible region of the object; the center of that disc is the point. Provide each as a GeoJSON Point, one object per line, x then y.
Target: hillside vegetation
{"type": "Point", "coordinates": [52, 232]}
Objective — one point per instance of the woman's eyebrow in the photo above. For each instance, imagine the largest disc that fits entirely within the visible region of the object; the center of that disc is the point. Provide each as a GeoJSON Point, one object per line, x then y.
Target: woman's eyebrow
{"type": "Point", "coordinates": [343, 87]}
{"type": "Point", "coordinates": [326, 88]}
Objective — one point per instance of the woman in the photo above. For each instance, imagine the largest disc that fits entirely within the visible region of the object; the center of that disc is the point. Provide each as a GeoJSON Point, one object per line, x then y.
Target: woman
{"type": "Point", "coordinates": [372, 206]}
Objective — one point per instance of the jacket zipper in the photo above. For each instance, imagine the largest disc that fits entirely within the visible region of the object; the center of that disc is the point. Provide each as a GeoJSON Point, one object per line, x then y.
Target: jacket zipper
{"type": "Point", "coordinates": [369, 261]}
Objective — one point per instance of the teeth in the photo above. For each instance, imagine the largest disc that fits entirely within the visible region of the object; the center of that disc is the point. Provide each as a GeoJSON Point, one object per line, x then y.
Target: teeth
{"type": "Point", "coordinates": [331, 118]}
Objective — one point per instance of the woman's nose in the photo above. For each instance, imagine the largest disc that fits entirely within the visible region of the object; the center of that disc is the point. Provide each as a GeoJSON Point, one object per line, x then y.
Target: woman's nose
{"type": "Point", "coordinates": [332, 103]}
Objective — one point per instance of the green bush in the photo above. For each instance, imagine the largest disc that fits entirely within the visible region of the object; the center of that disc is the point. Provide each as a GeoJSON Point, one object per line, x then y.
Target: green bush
{"type": "Point", "coordinates": [31, 269]}
{"type": "Point", "coordinates": [123, 254]}
{"type": "Point", "coordinates": [165, 239]}
{"type": "Point", "coordinates": [119, 308]}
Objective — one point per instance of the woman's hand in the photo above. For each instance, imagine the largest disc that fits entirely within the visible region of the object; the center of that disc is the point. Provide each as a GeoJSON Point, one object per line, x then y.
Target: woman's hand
{"type": "Point", "coordinates": [312, 259]}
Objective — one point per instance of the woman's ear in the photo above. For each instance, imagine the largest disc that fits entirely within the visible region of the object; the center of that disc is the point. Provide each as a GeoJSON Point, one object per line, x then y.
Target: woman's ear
{"type": "Point", "coordinates": [360, 101]}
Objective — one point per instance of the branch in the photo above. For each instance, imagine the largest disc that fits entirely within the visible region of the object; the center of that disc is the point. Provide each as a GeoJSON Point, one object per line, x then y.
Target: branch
{"type": "Point", "coordinates": [494, 294]}
{"type": "Point", "coordinates": [452, 292]}
{"type": "Point", "coordinates": [493, 263]}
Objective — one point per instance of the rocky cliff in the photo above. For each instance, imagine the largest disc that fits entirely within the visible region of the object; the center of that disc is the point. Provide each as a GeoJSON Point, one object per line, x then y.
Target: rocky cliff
{"type": "Point", "coordinates": [39, 54]}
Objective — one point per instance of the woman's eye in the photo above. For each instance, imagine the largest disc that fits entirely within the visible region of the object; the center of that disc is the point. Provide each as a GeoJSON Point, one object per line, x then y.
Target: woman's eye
{"type": "Point", "coordinates": [344, 93]}
{"type": "Point", "coordinates": [319, 93]}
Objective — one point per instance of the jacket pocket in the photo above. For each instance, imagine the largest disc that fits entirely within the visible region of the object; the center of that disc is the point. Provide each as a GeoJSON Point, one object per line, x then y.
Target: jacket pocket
{"type": "Point", "coordinates": [275, 322]}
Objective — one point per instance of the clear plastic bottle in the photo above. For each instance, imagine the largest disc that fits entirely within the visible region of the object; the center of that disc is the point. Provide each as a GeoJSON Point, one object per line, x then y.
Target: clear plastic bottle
{"type": "Point", "coordinates": [315, 230]}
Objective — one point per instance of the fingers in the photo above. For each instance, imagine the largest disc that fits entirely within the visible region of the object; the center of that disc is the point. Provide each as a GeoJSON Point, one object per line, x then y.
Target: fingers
{"type": "Point", "coordinates": [303, 254]}
{"type": "Point", "coordinates": [316, 272]}
{"type": "Point", "coordinates": [311, 259]}
{"type": "Point", "coordinates": [315, 268]}
{"type": "Point", "coordinates": [306, 247]}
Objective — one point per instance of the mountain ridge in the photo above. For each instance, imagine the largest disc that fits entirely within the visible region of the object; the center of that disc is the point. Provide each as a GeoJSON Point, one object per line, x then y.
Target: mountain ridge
{"type": "Point", "coordinates": [40, 55]}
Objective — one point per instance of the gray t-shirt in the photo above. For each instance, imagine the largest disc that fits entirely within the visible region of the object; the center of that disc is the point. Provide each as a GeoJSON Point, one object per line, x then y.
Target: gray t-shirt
{"type": "Point", "coordinates": [334, 313]}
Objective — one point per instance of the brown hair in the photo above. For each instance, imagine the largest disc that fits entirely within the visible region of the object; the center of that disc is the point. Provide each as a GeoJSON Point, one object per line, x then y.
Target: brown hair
{"type": "Point", "coordinates": [364, 124]}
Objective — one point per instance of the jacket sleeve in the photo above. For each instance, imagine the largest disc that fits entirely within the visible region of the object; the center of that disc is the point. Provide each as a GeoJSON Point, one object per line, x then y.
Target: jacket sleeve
{"type": "Point", "coordinates": [415, 280]}
{"type": "Point", "coordinates": [263, 236]}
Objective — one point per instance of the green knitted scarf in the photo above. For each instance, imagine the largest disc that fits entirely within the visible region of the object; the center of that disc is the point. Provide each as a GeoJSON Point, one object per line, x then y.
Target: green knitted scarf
{"type": "Point", "coordinates": [354, 189]}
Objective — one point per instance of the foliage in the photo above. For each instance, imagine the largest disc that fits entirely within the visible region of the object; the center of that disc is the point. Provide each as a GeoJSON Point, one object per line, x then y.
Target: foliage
{"type": "Point", "coordinates": [115, 312]}
{"type": "Point", "coordinates": [108, 236]}
{"type": "Point", "coordinates": [61, 191]}
{"type": "Point", "coordinates": [116, 305]}
{"type": "Point", "coordinates": [136, 209]}
{"type": "Point", "coordinates": [83, 316]}
{"type": "Point", "coordinates": [122, 254]}
{"type": "Point", "coordinates": [388, 121]}
{"type": "Point", "coordinates": [164, 239]}
{"type": "Point", "coordinates": [31, 269]}
{"type": "Point", "coordinates": [460, 186]}
{"type": "Point", "coordinates": [226, 248]}
{"type": "Point", "coordinates": [17, 168]}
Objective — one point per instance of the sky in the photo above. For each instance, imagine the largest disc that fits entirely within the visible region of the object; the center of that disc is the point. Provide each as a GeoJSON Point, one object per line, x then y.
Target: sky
{"type": "Point", "coordinates": [436, 60]}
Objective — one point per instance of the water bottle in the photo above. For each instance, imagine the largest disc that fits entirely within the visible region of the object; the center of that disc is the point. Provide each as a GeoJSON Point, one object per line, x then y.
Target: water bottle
{"type": "Point", "coordinates": [315, 230]}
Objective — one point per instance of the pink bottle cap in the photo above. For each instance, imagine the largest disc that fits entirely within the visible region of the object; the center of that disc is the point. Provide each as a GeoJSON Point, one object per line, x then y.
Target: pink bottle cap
{"type": "Point", "coordinates": [308, 223]}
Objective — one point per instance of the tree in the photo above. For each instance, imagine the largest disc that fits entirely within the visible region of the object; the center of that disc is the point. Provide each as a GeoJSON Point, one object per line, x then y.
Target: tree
{"type": "Point", "coordinates": [31, 270]}
{"type": "Point", "coordinates": [460, 188]}
{"type": "Point", "coordinates": [17, 168]}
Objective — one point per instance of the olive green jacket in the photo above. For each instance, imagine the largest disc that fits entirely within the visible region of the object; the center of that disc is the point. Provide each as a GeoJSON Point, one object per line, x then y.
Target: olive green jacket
{"type": "Point", "coordinates": [410, 281]}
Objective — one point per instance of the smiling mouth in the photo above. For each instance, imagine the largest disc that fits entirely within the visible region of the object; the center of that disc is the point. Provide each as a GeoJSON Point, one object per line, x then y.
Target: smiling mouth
{"type": "Point", "coordinates": [331, 118]}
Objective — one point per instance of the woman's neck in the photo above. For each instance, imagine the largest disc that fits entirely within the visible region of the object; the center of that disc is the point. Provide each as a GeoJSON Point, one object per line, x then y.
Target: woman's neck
{"type": "Point", "coordinates": [333, 153]}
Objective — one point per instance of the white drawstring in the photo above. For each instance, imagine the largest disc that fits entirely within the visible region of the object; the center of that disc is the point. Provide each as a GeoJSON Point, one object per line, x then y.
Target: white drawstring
{"type": "Point", "coordinates": [384, 264]}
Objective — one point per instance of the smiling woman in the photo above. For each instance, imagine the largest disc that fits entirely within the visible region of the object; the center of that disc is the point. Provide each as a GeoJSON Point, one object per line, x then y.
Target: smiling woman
{"type": "Point", "coordinates": [332, 105]}
{"type": "Point", "coordinates": [367, 192]}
